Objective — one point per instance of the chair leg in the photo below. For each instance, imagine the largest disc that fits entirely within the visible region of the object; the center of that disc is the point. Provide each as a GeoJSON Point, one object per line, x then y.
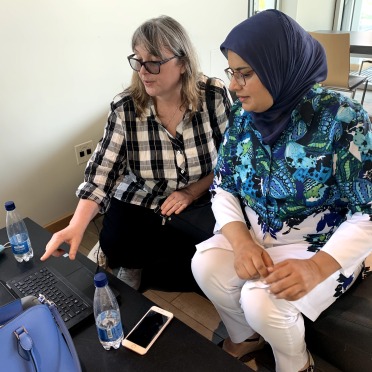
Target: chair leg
{"type": "Point", "coordinates": [360, 67]}
{"type": "Point", "coordinates": [364, 92]}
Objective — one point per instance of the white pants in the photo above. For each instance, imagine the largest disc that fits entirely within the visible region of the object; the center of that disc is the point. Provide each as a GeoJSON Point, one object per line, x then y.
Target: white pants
{"type": "Point", "coordinates": [245, 311]}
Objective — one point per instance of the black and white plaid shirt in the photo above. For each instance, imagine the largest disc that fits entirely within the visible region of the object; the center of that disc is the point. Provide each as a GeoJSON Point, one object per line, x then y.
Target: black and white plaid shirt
{"type": "Point", "coordinates": [139, 162]}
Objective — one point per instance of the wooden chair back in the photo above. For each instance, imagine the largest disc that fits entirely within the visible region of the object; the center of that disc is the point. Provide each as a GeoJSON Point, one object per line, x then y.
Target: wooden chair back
{"type": "Point", "coordinates": [337, 49]}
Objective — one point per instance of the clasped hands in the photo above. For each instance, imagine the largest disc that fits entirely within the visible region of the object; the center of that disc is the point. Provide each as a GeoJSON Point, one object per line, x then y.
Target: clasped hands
{"type": "Point", "coordinates": [290, 279]}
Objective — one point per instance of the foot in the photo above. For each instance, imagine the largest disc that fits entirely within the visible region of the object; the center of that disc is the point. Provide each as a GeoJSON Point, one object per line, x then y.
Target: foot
{"type": "Point", "coordinates": [243, 348]}
{"type": "Point", "coordinates": [132, 277]}
{"type": "Point", "coordinates": [309, 367]}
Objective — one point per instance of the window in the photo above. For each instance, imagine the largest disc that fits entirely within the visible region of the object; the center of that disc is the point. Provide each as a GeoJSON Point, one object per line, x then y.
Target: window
{"type": "Point", "coordinates": [255, 6]}
{"type": "Point", "coordinates": [355, 15]}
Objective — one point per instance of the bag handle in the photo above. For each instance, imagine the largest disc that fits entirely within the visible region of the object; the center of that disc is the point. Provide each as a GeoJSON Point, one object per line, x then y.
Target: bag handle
{"type": "Point", "coordinates": [25, 344]}
{"type": "Point", "coordinates": [212, 113]}
{"type": "Point", "coordinates": [62, 327]}
{"type": "Point", "coordinates": [208, 100]}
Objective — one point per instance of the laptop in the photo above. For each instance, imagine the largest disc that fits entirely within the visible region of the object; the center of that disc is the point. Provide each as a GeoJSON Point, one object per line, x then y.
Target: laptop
{"type": "Point", "coordinates": [69, 284]}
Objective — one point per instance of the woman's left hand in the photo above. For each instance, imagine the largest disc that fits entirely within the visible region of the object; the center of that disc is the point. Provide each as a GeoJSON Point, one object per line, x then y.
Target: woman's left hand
{"type": "Point", "coordinates": [176, 202]}
{"type": "Point", "coordinates": [291, 279]}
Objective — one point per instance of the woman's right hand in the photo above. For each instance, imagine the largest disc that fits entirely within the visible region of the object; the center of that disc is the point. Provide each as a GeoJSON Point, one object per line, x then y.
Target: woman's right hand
{"type": "Point", "coordinates": [71, 235]}
{"type": "Point", "coordinates": [251, 261]}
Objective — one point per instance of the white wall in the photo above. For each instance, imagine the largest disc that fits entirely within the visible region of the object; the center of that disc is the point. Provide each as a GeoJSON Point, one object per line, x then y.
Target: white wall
{"type": "Point", "coordinates": [61, 64]}
{"type": "Point", "coordinates": [311, 15]}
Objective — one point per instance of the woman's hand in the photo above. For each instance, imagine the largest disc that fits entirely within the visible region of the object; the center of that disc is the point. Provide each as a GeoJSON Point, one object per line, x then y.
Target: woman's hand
{"type": "Point", "coordinates": [176, 202]}
{"type": "Point", "coordinates": [251, 261]}
{"type": "Point", "coordinates": [292, 279]}
{"type": "Point", "coordinates": [73, 233]}
{"type": "Point", "coordinates": [181, 199]}
{"type": "Point", "coordinates": [70, 235]}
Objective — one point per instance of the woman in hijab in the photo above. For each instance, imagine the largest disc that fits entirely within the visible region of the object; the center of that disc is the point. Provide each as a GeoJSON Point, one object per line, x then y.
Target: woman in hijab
{"type": "Point", "coordinates": [291, 193]}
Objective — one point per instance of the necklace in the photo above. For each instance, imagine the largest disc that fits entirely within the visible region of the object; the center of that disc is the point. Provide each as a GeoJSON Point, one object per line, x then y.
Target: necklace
{"type": "Point", "coordinates": [166, 125]}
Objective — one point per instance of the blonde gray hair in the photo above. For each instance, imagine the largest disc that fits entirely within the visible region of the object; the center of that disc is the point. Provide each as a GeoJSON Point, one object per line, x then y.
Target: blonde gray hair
{"type": "Point", "coordinates": [158, 34]}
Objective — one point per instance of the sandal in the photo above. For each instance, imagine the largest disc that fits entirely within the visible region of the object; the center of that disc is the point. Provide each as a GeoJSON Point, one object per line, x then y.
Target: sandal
{"type": "Point", "coordinates": [311, 367]}
{"type": "Point", "coordinates": [245, 347]}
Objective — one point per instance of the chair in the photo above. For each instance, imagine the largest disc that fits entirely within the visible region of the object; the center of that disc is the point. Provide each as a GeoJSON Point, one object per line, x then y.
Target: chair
{"type": "Point", "coordinates": [337, 48]}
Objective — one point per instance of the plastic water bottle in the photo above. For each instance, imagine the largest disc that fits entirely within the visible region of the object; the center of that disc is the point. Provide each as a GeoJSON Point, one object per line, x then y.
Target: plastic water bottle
{"type": "Point", "coordinates": [107, 314]}
{"type": "Point", "coordinates": [17, 234]}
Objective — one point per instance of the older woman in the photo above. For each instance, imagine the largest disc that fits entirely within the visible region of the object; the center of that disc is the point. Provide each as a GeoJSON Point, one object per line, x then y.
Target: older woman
{"type": "Point", "coordinates": [158, 150]}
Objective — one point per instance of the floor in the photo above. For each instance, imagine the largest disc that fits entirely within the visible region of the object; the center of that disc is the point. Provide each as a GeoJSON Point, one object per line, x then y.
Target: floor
{"type": "Point", "coordinates": [197, 312]}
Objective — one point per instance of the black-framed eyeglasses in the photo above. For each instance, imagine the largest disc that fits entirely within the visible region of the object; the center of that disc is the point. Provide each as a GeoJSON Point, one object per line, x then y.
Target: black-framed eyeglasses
{"type": "Point", "coordinates": [153, 67]}
{"type": "Point", "coordinates": [239, 77]}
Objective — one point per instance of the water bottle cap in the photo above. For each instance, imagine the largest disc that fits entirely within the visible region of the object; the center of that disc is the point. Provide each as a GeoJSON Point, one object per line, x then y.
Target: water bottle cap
{"type": "Point", "coordinates": [9, 205]}
{"type": "Point", "coordinates": [100, 280]}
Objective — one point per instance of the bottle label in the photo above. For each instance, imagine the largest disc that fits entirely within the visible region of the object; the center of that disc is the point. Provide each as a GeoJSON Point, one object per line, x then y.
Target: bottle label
{"type": "Point", "coordinates": [20, 248]}
{"type": "Point", "coordinates": [109, 326]}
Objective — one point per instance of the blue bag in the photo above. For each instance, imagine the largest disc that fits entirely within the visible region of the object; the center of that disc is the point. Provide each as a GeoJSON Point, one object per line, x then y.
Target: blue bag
{"type": "Point", "coordinates": [33, 337]}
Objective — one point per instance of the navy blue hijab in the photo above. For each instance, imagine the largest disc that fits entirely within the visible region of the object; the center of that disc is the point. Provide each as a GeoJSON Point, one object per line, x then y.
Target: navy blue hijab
{"type": "Point", "coordinates": [287, 60]}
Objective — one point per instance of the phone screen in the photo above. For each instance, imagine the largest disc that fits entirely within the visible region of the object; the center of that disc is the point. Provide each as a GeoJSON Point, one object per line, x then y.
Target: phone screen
{"type": "Point", "coordinates": [147, 329]}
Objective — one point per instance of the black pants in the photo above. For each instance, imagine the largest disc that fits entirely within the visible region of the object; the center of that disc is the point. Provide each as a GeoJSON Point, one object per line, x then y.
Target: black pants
{"type": "Point", "coordinates": [134, 237]}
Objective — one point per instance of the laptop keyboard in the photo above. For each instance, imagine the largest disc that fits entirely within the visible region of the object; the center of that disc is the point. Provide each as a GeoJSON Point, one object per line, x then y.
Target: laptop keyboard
{"type": "Point", "coordinates": [73, 305]}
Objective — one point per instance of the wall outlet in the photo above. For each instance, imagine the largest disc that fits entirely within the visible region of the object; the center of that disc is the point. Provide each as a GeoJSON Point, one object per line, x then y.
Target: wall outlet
{"type": "Point", "coordinates": [83, 152]}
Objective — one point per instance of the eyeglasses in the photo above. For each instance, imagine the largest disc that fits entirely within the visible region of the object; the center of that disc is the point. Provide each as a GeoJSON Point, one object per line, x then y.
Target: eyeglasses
{"type": "Point", "coordinates": [153, 67]}
{"type": "Point", "coordinates": [239, 77]}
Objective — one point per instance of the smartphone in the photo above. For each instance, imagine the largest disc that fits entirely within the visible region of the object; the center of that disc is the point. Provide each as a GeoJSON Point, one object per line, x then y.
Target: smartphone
{"type": "Point", "coordinates": [147, 330]}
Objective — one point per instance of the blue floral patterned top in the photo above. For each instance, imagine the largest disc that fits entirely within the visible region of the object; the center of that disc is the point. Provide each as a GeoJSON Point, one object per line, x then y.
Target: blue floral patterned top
{"type": "Point", "coordinates": [316, 174]}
